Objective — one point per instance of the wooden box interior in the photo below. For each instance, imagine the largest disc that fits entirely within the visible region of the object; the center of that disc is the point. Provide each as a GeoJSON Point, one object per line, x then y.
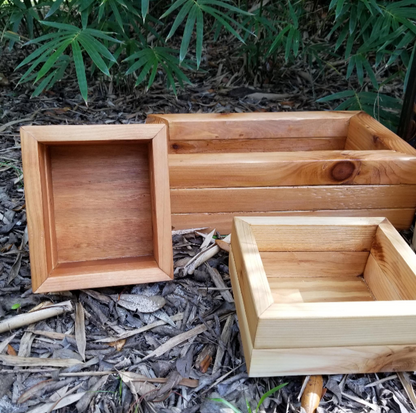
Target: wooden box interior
{"type": "Point", "coordinates": [285, 164]}
{"type": "Point", "coordinates": [315, 296]}
{"type": "Point", "coordinates": [98, 205]}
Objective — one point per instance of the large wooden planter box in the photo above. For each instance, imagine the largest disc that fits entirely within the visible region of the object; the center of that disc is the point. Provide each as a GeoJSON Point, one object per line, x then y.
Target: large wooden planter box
{"type": "Point", "coordinates": [98, 205]}
{"type": "Point", "coordinates": [270, 164]}
{"type": "Point", "coordinates": [323, 295]}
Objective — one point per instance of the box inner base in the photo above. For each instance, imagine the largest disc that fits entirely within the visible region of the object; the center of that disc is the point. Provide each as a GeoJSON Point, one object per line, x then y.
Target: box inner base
{"type": "Point", "coordinates": [102, 202]}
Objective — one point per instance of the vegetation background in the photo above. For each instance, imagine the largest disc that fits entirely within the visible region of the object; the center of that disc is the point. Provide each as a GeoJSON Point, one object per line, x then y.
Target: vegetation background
{"type": "Point", "coordinates": [135, 42]}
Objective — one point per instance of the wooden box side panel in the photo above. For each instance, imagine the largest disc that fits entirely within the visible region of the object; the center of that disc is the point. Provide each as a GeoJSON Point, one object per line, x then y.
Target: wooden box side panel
{"type": "Point", "coordinates": [222, 221]}
{"type": "Point", "coordinates": [241, 313]}
{"type": "Point", "coordinates": [337, 324]}
{"type": "Point", "coordinates": [102, 201]}
{"type": "Point", "coordinates": [397, 262]}
{"type": "Point", "coordinates": [332, 360]}
{"type": "Point", "coordinates": [365, 133]}
{"type": "Point", "coordinates": [209, 170]}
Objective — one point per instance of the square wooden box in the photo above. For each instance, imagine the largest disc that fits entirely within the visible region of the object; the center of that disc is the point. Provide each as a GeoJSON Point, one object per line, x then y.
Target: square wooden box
{"type": "Point", "coordinates": [98, 205]}
{"type": "Point", "coordinates": [298, 163]}
{"type": "Point", "coordinates": [323, 295]}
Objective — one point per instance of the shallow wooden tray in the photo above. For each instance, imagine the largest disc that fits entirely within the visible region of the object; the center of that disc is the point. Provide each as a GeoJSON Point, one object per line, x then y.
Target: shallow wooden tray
{"type": "Point", "coordinates": [98, 205]}
{"type": "Point", "coordinates": [323, 295]}
{"type": "Point", "coordinates": [277, 164]}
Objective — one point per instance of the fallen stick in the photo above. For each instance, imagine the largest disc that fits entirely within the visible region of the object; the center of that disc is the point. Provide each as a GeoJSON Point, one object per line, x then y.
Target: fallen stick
{"type": "Point", "coordinates": [30, 318]}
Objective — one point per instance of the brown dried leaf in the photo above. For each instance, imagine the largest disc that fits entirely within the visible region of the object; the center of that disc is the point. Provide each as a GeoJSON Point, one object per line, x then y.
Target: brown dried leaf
{"type": "Point", "coordinates": [118, 345]}
{"type": "Point", "coordinates": [80, 329]}
{"type": "Point", "coordinates": [11, 351]}
{"type": "Point", "coordinates": [141, 303]}
{"type": "Point", "coordinates": [223, 245]}
{"type": "Point", "coordinates": [312, 394]}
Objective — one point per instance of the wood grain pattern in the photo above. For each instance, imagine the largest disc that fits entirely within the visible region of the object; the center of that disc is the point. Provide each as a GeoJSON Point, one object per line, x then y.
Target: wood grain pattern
{"type": "Point", "coordinates": [396, 259]}
{"type": "Point", "coordinates": [365, 133]}
{"type": "Point", "coordinates": [315, 290]}
{"type": "Point", "coordinates": [301, 234]}
{"type": "Point", "coordinates": [102, 201]}
{"type": "Point", "coordinates": [328, 324]}
{"type": "Point", "coordinates": [292, 198]}
{"type": "Point", "coordinates": [254, 125]}
{"type": "Point", "coordinates": [401, 218]}
{"type": "Point", "coordinates": [382, 288]}
{"type": "Point", "coordinates": [291, 168]}
{"type": "Point", "coordinates": [256, 145]}
{"type": "Point", "coordinates": [313, 264]}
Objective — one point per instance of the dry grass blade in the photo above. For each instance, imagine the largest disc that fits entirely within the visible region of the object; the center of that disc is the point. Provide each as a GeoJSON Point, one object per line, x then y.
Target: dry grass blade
{"type": "Point", "coordinates": [312, 394]}
{"type": "Point", "coordinates": [37, 362]}
{"type": "Point", "coordinates": [5, 342]}
{"type": "Point", "coordinates": [26, 344]}
{"type": "Point", "coordinates": [33, 317]}
{"type": "Point", "coordinates": [174, 341]}
{"type": "Point", "coordinates": [219, 283]}
{"type": "Point", "coordinates": [32, 391]}
{"type": "Point", "coordinates": [361, 401]}
{"type": "Point", "coordinates": [404, 378]}
{"type": "Point", "coordinates": [80, 329]}
{"type": "Point", "coordinates": [225, 337]}
{"type": "Point", "coordinates": [66, 401]}
{"type": "Point", "coordinates": [140, 378]}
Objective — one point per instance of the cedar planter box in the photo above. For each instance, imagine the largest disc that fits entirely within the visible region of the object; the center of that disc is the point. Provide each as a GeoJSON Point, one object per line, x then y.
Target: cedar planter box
{"type": "Point", "coordinates": [323, 295]}
{"type": "Point", "coordinates": [299, 163]}
{"type": "Point", "coordinates": [98, 205]}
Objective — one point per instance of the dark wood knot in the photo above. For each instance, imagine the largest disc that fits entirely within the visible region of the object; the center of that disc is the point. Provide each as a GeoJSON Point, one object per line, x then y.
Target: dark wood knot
{"type": "Point", "coordinates": [342, 170]}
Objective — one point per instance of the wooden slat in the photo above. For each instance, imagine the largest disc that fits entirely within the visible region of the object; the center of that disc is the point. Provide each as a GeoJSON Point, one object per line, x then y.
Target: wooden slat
{"type": "Point", "coordinates": [382, 288]}
{"type": "Point", "coordinates": [292, 198]}
{"type": "Point", "coordinates": [256, 145]}
{"type": "Point", "coordinates": [313, 233]}
{"type": "Point", "coordinates": [291, 168]}
{"type": "Point", "coordinates": [396, 259]}
{"type": "Point", "coordinates": [254, 125]}
{"type": "Point", "coordinates": [250, 271]}
{"type": "Point", "coordinates": [365, 133]}
{"type": "Point", "coordinates": [222, 222]}
{"type": "Point", "coordinates": [363, 323]}
{"type": "Point", "coordinates": [319, 289]}
{"type": "Point", "coordinates": [332, 360]}
{"type": "Point", "coordinates": [313, 264]}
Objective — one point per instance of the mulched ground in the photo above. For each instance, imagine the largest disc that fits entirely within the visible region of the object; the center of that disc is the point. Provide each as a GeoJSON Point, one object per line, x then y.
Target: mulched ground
{"type": "Point", "coordinates": [188, 350]}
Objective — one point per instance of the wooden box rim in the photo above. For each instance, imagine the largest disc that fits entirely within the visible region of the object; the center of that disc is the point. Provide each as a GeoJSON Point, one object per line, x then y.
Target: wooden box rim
{"type": "Point", "coordinates": [47, 276]}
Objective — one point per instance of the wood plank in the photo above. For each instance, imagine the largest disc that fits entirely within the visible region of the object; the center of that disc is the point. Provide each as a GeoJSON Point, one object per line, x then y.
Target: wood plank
{"type": "Point", "coordinates": [342, 324]}
{"type": "Point", "coordinates": [332, 360]}
{"type": "Point", "coordinates": [161, 214]}
{"type": "Point", "coordinates": [291, 168]}
{"type": "Point", "coordinates": [313, 264]}
{"type": "Point", "coordinates": [365, 133]}
{"type": "Point", "coordinates": [292, 198]}
{"type": "Point", "coordinates": [319, 289]}
{"type": "Point", "coordinates": [301, 233]}
{"type": "Point", "coordinates": [256, 145]}
{"type": "Point", "coordinates": [250, 271]}
{"type": "Point", "coordinates": [33, 163]}
{"type": "Point", "coordinates": [381, 287]}
{"type": "Point", "coordinates": [92, 274]}
{"type": "Point", "coordinates": [102, 201]}
{"type": "Point", "coordinates": [241, 312]}
{"type": "Point", "coordinates": [254, 125]}
{"type": "Point", "coordinates": [222, 222]}
{"type": "Point", "coordinates": [396, 259]}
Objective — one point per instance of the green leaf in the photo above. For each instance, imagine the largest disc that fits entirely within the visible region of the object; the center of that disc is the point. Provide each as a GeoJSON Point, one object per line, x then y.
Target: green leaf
{"type": "Point", "coordinates": [100, 47]}
{"type": "Point", "coordinates": [93, 53]}
{"type": "Point", "coordinates": [42, 85]}
{"type": "Point", "coordinates": [293, 15]}
{"type": "Point", "coordinates": [52, 59]}
{"type": "Point", "coordinates": [370, 73]}
{"type": "Point", "coordinates": [278, 39]}
{"type": "Point", "coordinates": [360, 70]}
{"type": "Point", "coordinates": [152, 76]}
{"type": "Point", "coordinates": [80, 70]}
{"type": "Point", "coordinates": [15, 306]}
{"type": "Point", "coordinates": [228, 404]}
{"type": "Point", "coordinates": [178, 3]}
{"type": "Point", "coordinates": [145, 8]}
{"type": "Point", "coordinates": [187, 33]}
{"type": "Point", "coordinates": [338, 95]}
{"type": "Point", "coordinates": [180, 17]}
{"type": "Point", "coordinates": [144, 72]}
{"type": "Point", "coordinates": [116, 14]}
{"type": "Point", "coordinates": [199, 35]}
{"type": "Point", "coordinates": [61, 26]}
{"type": "Point", "coordinates": [101, 35]}
{"type": "Point", "coordinates": [269, 393]}
{"type": "Point", "coordinates": [289, 43]}
{"type": "Point", "coordinates": [226, 6]}
{"type": "Point", "coordinates": [48, 48]}
{"type": "Point", "coordinates": [55, 6]}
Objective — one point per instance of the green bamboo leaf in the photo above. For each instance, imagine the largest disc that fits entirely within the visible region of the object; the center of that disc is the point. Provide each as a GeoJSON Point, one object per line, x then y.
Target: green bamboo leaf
{"type": "Point", "coordinates": [144, 72]}
{"type": "Point", "coordinates": [293, 15]}
{"type": "Point", "coordinates": [226, 6]}
{"type": "Point", "coordinates": [42, 85]}
{"type": "Point", "coordinates": [335, 96]}
{"type": "Point", "coordinates": [370, 73]}
{"type": "Point", "coordinates": [145, 8]}
{"type": "Point", "coordinates": [80, 70]}
{"type": "Point", "coordinates": [53, 58]}
{"type": "Point", "coordinates": [178, 3]}
{"type": "Point", "coordinates": [180, 17]}
{"type": "Point", "coordinates": [48, 36]}
{"type": "Point", "coordinates": [278, 39]}
{"type": "Point", "coordinates": [152, 75]}
{"type": "Point", "coordinates": [332, 4]}
{"type": "Point", "coordinates": [269, 393]}
{"type": "Point", "coordinates": [341, 37]}
{"type": "Point", "coordinates": [48, 48]}
{"type": "Point", "coordinates": [288, 45]}
{"type": "Point", "coordinates": [353, 20]}
{"type": "Point", "coordinates": [187, 33]}
{"type": "Point", "coordinates": [137, 65]}
{"type": "Point", "coordinates": [116, 14]}
{"type": "Point", "coordinates": [199, 36]}
{"type": "Point", "coordinates": [101, 35]}
{"type": "Point", "coordinates": [350, 67]}
{"type": "Point", "coordinates": [61, 26]}
{"type": "Point", "coordinates": [296, 42]}
{"type": "Point", "coordinates": [360, 70]}
{"type": "Point", "coordinates": [55, 6]}
{"type": "Point", "coordinates": [92, 52]}
{"type": "Point", "coordinates": [338, 10]}
{"type": "Point", "coordinates": [351, 103]}
{"type": "Point", "coordinates": [100, 47]}
{"type": "Point", "coordinates": [170, 79]}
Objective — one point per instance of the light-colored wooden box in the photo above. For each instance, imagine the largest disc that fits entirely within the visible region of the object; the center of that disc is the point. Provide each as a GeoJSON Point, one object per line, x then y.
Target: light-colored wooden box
{"type": "Point", "coordinates": [323, 295]}
{"type": "Point", "coordinates": [299, 163]}
{"type": "Point", "coordinates": [98, 205]}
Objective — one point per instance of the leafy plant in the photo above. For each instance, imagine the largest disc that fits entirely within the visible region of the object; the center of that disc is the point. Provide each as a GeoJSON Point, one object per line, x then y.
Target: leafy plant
{"type": "Point", "coordinates": [249, 409]}
{"type": "Point", "coordinates": [15, 306]}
